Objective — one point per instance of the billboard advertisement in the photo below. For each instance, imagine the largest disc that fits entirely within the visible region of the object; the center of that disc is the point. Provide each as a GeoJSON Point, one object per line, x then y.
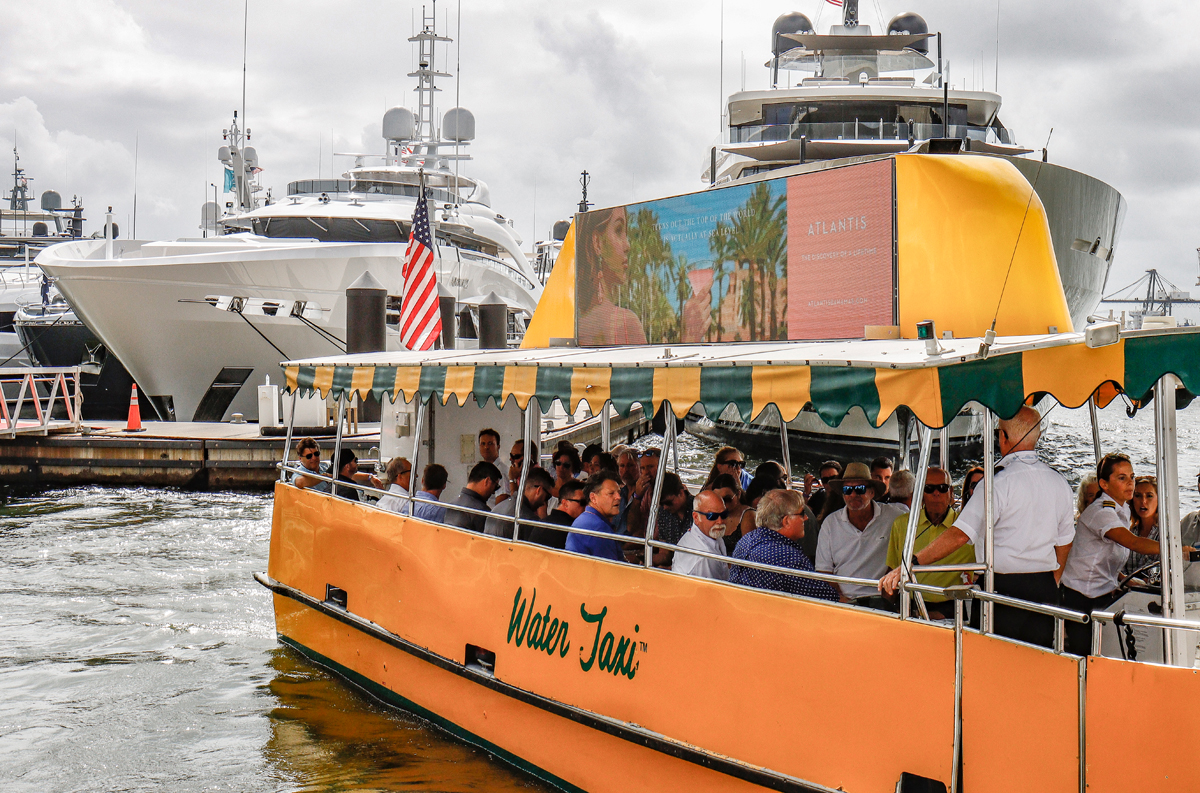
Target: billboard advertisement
{"type": "Point", "coordinates": [738, 263]}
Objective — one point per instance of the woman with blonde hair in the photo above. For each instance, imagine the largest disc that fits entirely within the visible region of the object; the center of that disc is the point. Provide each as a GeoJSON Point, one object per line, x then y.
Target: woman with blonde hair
{"type": "Point", "coordinates": [1145, 520]}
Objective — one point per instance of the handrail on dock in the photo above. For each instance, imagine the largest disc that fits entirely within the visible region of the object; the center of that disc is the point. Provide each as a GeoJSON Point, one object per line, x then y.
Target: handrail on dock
{"type": "Point", "coordinates": [59, 383]}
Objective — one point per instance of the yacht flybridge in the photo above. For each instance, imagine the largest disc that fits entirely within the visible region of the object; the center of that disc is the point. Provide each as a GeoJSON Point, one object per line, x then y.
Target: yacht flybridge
{"type": "Point", "coordinates": [268, 279]}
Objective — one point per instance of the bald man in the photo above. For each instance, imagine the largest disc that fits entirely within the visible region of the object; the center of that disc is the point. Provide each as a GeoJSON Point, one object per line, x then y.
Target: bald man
{"type": "Point", "coordinates": [1034, 528]}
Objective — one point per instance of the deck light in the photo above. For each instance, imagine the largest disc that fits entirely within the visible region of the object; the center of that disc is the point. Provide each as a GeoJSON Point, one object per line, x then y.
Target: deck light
{"type": "Point", "coordinates": [1102, 334]}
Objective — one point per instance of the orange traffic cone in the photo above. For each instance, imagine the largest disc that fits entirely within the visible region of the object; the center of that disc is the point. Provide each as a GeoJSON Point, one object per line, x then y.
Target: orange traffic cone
{"type": "Point", "coordinates": [134, 424]}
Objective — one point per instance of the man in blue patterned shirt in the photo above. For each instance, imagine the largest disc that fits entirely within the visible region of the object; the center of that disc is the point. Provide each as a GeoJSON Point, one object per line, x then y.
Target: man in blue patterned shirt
{"type": "Point", "coordinates": [776, 542]}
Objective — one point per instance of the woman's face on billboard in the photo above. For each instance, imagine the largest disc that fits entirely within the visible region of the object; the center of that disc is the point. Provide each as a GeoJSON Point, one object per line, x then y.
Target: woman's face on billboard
{"type": "Point", "coordinates": [612, 243]}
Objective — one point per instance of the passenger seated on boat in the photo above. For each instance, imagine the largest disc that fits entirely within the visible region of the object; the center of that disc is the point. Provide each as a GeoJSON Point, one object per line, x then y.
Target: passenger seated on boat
{"type": "Point", "coordinates": [566, 466]}
{"type": "Point", "coordinates": [398, 477]}
{"type": "Point", "coordinates": [972, 479]}
{"type": "Point", "coordinates": [309, 452]}
{"type": "Point", "coordinates": [590, 459]}
{"type": "Point", "coordinates": [537, 492]}
{"type": "Point", "coordinates": [629, 519]}
{"type": "Point", "coordinates": [643, 488]}
{"type": "Point", "coordinates": [854, 539]}
{"type": "Point", "coordinates": [1189, 527]}
{"type": "Point", "coordinates": [728, 460]}
{"type": "Point", "coordinates": [1032, 534]}
{"type": "Point", "coordinates": [604, 503]}
{"type": "Point", "coordinates": [767, 477]}
{"type": "Point", "coordinates": [815, 499]}
{"type": "Point", "coordinates": [347, 468]}
{"type": "Point", "coordinates": [707, 534]}
{"type": "Point", "coordinates": [776, 542]}
{"type": "Point", "coordinates": [881, 471]}
{"type": "Point", "coordinates": [1086, 493]}
{"type": "Point", "coordinates": [433, 482]}
{"type": "Point", "coordinates": [489, 452]}
{"type": "Point", "coordinates": [674, 516]}
{"type": "Point", "coordinates": [936, 518]}
{"type": "Point", "coordinates": [571, 502]}
{"type": "Point", "coordinates": [481, 484]}
{"type": "Point", "coordinates": [741, 517]}
{"type": "Point", "coordinates": [516, 461]}
{"type": "Point", "coordinates": [900, 489]}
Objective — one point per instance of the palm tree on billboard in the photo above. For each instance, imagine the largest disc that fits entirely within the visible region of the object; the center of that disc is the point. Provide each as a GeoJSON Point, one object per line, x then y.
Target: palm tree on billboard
{"type": "Point", "coordinates": [756, 242]}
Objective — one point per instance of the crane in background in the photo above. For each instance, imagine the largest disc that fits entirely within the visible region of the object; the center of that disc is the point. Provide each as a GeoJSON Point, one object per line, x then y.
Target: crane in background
{"type": "Point", "coordinates": [1154, 295]}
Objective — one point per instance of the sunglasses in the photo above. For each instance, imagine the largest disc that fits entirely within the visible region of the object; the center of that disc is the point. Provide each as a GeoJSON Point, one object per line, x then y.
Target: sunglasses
{"type": "Point", "coordinates": [311, 455]}
{"type": "Point", "coordinates": [942, 488]}
{"type": "Point", "coordinates": [561, 463]}
{"type": "Point", "coordinates": [827, 479]}
{"type": "Point", "coordinates": [579, 501]}
{"type": "Point", "coordinates": [714, 515]}
{"type": "Point", "coordinates": [406, 471]}
{"type": "Point", "coordinates": [734, 463]}
{"type": "Point", "coordinates": [512, 458]}
{"type": "Point", "coordinates": [857, 490]}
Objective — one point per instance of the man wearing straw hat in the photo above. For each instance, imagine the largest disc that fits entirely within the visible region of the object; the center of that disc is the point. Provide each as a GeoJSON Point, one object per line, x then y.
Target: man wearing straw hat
{"type": "Point", "coordinates": [853, 540]}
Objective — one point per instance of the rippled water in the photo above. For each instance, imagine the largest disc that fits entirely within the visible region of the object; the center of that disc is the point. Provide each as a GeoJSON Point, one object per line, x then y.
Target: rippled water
{"type": "Point", "coordinates": [137, 653]}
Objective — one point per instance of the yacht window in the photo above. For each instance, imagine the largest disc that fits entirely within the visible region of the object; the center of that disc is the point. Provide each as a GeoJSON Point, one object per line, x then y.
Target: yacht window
{"type": "Point", "coordinates": [331, 229]}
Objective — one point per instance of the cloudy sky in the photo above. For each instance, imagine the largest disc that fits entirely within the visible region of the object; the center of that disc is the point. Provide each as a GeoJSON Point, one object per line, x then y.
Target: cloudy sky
{"type": "Point", "coordinates": [628, 89]}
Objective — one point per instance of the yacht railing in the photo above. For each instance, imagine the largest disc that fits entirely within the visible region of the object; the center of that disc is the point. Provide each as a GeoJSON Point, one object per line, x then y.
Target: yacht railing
{"type": "Point", "coordinates": [497, 265]}
{"type": "Point", "coordinates": [866, 130]}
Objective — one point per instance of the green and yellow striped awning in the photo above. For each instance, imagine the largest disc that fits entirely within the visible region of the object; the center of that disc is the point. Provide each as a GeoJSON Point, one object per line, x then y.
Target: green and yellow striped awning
{"type": "Point", "coordinates": [876, 376]}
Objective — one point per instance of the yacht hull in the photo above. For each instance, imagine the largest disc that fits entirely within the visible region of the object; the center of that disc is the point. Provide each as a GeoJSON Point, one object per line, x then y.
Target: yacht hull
{"type": "Point", "coordinates": [173, 320]}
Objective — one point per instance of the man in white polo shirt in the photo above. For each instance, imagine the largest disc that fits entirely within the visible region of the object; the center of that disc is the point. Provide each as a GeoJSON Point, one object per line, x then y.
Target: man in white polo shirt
{"type": "Point", "coordinates": [1033, 532]}
{"type": "Point", "coordinates": [854, 540]}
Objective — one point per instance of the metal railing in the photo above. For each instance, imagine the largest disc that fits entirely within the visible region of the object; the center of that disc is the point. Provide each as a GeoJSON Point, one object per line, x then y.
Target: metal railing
{"type": "Point", "coordinates": [1121, 618]}
{"type": "Point", "coordinates": [867, 129]}
{"type": "Point", "coordinates": [26, 381]}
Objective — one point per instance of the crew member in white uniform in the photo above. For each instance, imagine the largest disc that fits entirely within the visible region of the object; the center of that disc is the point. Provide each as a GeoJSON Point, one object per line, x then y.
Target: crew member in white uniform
{"type": "Point", "coordinates": [1102, 544]}
{"type": "Point", "coordinates": [1034, 527]}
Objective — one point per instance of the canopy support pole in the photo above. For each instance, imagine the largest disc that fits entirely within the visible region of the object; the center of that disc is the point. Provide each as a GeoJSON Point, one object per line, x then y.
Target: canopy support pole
{"type": "Point", "coordinates": [989, 515]}
{"type": "Point", "coordinates": [1095, 428]}
{"type": "Point", "coordinates": [532, 447]}
{"type": "Point", "coordinates": [605, 426]}
{"type": "Point", "coordinates": [656, 495]}
{"type": "Point", "coordinates": [925, 435]}
{"type": "Point", "coordinates": [413, 475]}
{"type": "Point", "coordinates": [904, 431]}
{"type": "Point", "coordinates": [787, 452]}
{"type": "Point", "coordinates": [287, 442]}
{"type": "Point", "coordinates": [944, 446]}
{"type": "Point", "coordinates": [1174, 649]}
{"type": "Point", "coordinates": [337, 444]}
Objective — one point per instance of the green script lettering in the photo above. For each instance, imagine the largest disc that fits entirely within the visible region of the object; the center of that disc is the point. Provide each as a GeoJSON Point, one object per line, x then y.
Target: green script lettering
{"type": "Point", "coordinates": [606, 651]}
{"type": "Point", "coordinates": [515, 619]}
{"type": "Point", "coordinates": [565, 643]}
{"type": "Point", "coordinates": [597, 618]}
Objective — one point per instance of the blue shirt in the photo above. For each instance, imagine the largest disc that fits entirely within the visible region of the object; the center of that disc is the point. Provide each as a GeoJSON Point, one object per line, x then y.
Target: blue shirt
{"type": "Point", "coordinates": [592, 520]}
{"type": "Point", "coordinates": [767, 546]}
{"type": "Point", "coordinates": [434, 513]}
{"type": "Point", "coordinates": [746, 479]}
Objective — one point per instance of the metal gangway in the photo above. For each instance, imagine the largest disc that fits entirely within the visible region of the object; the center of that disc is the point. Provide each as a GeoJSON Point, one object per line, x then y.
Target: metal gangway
{"type": "Point", "coordinates": [30, 397]}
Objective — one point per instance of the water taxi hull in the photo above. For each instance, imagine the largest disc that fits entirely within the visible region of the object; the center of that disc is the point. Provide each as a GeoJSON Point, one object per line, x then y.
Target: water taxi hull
{"type": "Point", "coordinates": [669, 682]}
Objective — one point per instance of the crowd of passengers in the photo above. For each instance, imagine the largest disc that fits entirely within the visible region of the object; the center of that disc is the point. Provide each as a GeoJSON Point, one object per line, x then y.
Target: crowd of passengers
{"type": "Point", "coordinates": [1051, 546]}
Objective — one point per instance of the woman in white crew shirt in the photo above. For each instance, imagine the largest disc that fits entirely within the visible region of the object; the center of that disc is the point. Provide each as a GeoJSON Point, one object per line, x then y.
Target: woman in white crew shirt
{"type": "Point", "coordinates": [1102, 544]}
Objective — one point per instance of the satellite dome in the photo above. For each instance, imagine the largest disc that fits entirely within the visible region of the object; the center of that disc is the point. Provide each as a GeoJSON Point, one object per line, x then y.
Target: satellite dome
{"type": "Point", "coordinates": [794, 22]}
{"type": "Point", "coordinates": [224, 155]}
{"type": "Point", "coordinates": [40, 229]}
{"type": "Point", "coordinates": [209, 212]}
{"type": "Point", "coordinates": [51, 201]}
{"type": "Point", "coordinates": [399, 124]}
{"type": "Point", "coordinates": [561, 227]}
{"type": "Point", "coordinates": [250, 155]}
{"type": "Point", "coordinates": [458, 124]}
{"type": "Point", "coordinates": [909, 23]}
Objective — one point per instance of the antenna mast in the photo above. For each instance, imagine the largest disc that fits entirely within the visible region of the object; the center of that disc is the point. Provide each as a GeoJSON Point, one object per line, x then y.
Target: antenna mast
{"type": "Point", "coordinates": [426, 74]}
{"type": "Point", "coordinates": [850, 13]}
{"type": "Point", "coordinates": [584, 181]}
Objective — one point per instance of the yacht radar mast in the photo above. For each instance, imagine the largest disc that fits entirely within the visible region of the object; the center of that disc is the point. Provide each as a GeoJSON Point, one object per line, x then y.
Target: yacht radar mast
{"type": "Point", "coordinates": [427, 136]}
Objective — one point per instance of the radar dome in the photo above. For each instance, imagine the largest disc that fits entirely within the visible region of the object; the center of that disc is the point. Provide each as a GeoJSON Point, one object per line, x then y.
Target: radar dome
{"type": "Point", "coordinates": [209, 212]}
{"type": "Point", "coordinates": [40, 229]}
{"type": "Point", "coordinates": [399, 124]}
{"type": "Point", "coordinates": [458, 124]}
{"type": "Point", "coordinates": [561, 227]}
{"type": "Point", "coordinates": [910, 24]}
{"type": "Point", "coordinates": [224, 155]}
{"type": "Point", "coordinates": [250, 154]}
{"type": "Point", "coordinates": [51, 201]}
{"type": "Point", "coordinates": [794, 22]}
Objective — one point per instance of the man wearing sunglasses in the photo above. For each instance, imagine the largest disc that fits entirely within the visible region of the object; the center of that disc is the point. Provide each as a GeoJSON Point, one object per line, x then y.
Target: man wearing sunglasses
{"type": "Point", "coordinates": [706, 534]}
{"type": "Point", "coordinates": [571, 503]}
{"type": "Point", "coordinates": [537, 492]}
{"type": "Point", "coordinates": [853, 540]}
{"type": "Point", "coordinates": [937, 516]}
{"type": "Point", "coordinates": [309, 452]}
{"type": "Point", "coordinates": [815, 498]}
{"type": "Point", "coordinates": [1032, 534]}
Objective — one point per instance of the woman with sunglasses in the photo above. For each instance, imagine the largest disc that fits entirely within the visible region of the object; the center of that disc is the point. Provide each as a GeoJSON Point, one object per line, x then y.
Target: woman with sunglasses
{"type": "Point", "coordinates": [1102, 544]}
{"type": "Point", "coordinates": [970, 482]}
{"type": "Point", "coordinates": [728, 460]}
{"type": "Point", "coordinates": [566, 467]}
{"type": "Point", "coordinates": [741, 517]}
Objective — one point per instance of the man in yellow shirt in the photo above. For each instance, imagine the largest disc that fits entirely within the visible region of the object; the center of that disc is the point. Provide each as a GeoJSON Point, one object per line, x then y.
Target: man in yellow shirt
{"type": "Point", "coordinates": [937, 515]}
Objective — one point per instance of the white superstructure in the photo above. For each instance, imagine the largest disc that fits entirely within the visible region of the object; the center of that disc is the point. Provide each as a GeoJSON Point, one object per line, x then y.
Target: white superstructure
{"type": "Point", "coordinates": [200, 322]}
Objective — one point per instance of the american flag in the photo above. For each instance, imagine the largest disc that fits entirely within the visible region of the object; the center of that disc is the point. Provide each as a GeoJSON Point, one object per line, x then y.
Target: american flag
{"type": "Point", "coordinates": [420, 317]}
{"type": "Point", "coordinates": [837, 3]}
